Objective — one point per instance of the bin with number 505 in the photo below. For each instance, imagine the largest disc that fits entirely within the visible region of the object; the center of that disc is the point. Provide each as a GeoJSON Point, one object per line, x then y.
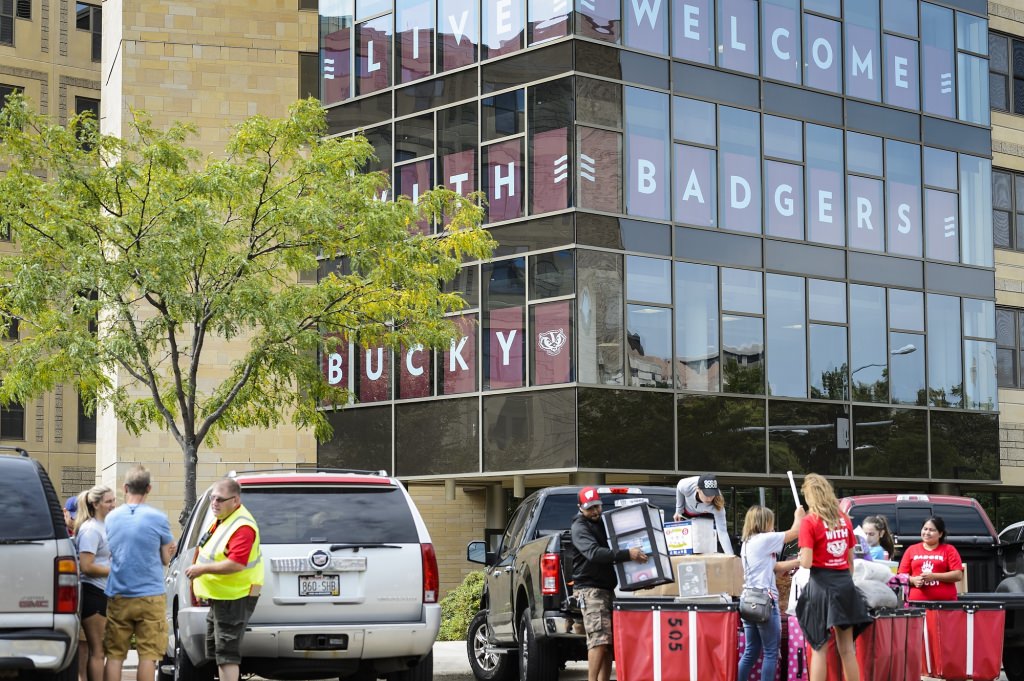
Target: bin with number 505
{"type": "Point", "coordinates": [661, 640]}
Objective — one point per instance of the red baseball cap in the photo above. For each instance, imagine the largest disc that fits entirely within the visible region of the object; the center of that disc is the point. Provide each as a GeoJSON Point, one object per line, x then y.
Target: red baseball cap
{"type": "Point", "coordinates": [589, 497]}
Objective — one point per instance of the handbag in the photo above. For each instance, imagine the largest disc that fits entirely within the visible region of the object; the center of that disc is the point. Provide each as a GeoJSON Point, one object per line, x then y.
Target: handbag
{"type": "Point", "coordinates": [755, 601]}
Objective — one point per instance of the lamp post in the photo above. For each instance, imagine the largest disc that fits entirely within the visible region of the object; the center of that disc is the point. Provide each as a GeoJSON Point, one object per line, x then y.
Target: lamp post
{"type": "Point", "coordinates": [905, 350]}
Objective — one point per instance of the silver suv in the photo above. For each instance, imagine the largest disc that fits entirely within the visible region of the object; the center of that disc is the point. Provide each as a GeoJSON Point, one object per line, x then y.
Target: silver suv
{"type": "Point", "coordinates": [39, 599]}
{"type": "Point", "coordinates": [350, 589]}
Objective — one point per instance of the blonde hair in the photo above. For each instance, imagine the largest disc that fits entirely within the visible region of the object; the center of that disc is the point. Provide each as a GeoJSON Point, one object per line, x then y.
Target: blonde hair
{"type": "Point", "coordinates": [718, 501]}
{"type": "Point", "coordinates": [758, 519]}
{"type": "Point", "coordinates": [87, 502]}
{"type": "Point", "coordinates": [821, 499]}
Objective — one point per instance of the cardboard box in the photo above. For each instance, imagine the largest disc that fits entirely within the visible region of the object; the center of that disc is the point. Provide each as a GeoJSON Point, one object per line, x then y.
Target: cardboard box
{"type": "Point", "coordinates": [723, 574]}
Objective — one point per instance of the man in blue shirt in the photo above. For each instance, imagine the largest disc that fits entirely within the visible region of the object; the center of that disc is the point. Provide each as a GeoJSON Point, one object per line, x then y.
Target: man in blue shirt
{"type": "Point", "coordinates": [141, 545]}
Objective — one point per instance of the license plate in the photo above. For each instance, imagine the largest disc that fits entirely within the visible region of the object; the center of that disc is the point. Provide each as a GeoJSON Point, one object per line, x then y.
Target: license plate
{"type": "Point", "coordinates": [319, 585]}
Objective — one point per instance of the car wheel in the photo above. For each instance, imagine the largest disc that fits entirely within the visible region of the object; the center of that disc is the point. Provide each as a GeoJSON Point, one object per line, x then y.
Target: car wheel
{"type": "Point", "coordinates": [422, 671]}
{"type": "Point", "coordinates": [537, 661]}
{"type": "Point", "coordinates": [486, 666]}
{"type": "Point", "coordinates": [184, 670]}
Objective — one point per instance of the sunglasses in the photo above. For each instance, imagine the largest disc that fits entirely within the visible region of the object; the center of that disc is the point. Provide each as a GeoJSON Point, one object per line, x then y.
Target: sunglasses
{"type": "Point", "coordinates": [221, 500]}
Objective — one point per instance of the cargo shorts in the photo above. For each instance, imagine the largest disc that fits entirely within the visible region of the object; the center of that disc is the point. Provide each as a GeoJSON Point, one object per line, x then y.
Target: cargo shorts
{"type": "Point", "coordinates": [225, 624]}
{"type": "Point", "coordinates": [596, 605]}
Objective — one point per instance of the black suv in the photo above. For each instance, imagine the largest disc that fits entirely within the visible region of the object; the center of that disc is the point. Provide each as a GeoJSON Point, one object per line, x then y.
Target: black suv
{"type": "Point", "coordinates": [39, 600]}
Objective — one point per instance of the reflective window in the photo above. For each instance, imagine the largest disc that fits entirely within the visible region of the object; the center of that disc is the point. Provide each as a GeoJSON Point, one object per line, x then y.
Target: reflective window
{"type": "Point", "coordinates": [737, 35]}
{"type": "Point", "coordinates": [647, 26]}
{"type": "Point", "coordinates": [697, 365]}
{"type": "Point", "coordinates": [600, 20]}
{"type": "Point", "coordinates": [599, 309]}
{"type": "Point", "coordinates": [414, 137]}
{"type": "Point", "coordinates": [972, 94]}
{"type": "Point", "coordinates": [373, 381]}
{"type": "Point", "coordinates": [964, 446]}
{"type": "Point", "coordinates": [942, 234]}
{"type": "Point", "coordinates": [693, 120]}
{"type": "Point", "coordinates": [373, 55]}
{"type": "Point", "coordinates": [829, 367]}
{"type": "Point", "coordinates": [823, 49]}
{"type": "Point", "coordinates": [551, 275]}
{"type": "Point", "coordinates": [742, 355]}
{"type": "Point", "coordinates": [360, 439]}
{"type": "Point", "coordinates": [825, 191]}
{"type": "Point", "coordinates": [415, 372]}
{"type": "Point", "coordinates": [866, 213]}
{"type": "Point", "coordinates": [529, 430]}
{"type": "Point", "coordinates": [971, 33]}
{"type": "Point", "coordinates": [551, 117]}
{"type": "Point", "coordinates": [367, 8]}
{"type": "Point", "coordinates": [887, 443]}
{"type": "Point", "coordinates": [431, 437]}
{"type": "Point", "coordinates": [548, 19]}
{"type": "Point", "coordinates": [648, 279]}
{"type": "Point", "coordinates": [903, 197]}
{"type": "Point", "coordinates": [457, 35]}
{"type": "Point", "coordinates": [783, 138]}
{"type": "Point", "coordinates": [465, 283]}
{"type": "Point", "coordinates": [457, 372]}
{"type": "Point", "coordinates": [647, 155]}
{"type": "Point", "coordinates": [827, 300]}
{"type": "Point", "coordinates": [693, 31]}
{"type": "Point", "coordinates": [804, 436]}
{"type": "Point", "coordinates": [551, 357]}
{"type": "Point", "coordinates": [414, 46]}
{"type": "Point", "coordinates": [502, 115]}
{"type": "Point", "coordinates": [976, 210]}
{"type": "Point", "coordinates": [979, 318]}
{"type": "Point", "coordinates": [829, 7]}
{"type": "Point", "coordinates": [907, 362]}
{"type": "Point", "coordinates": [696, 188]}
{"type": "Point", "coordinates": [502, 28]}
{"type": "Point", "coordinates": [863, 75]}
{"type": "Point", "coordinates": [739, 172]}
{"type": "Point", "coordinates": [980, 389]}
{"type": "Point", "coordinates": [456, 147]}
{"type": "Point", "coordinates": [335, 52]}
{"type": "Point", "coordinates": [503, 181]}
{"type": "Point", "coordinates": [864, 153]}
{"type": "Point", "coordinates": [784, 212]}
{"type": "Point", "coordinates": [945, 370]}
{"type": "Point", "coordinates": [901, 81]}
{"type": "Point", "coordinates": [906, 310]}
{"type": "Point", "coordinates": [1006, 91]}
{"type": "Point", "coordinates": [600, 103]}
{"type": "Point", "coordinates": [504, 300]}
{"type": "Point", "coordinates": [869, 375]}
{"type": "Point", "coordinates": [602, 439]}
{"type": "Point", "coordinates": [649, 335]}
{"type": "Point", "coordinates": [940, 168]}
{"type": "Point", "coordinates": [1008, 348]}
{"type": "Point", "coordinates": [726, 430]}
{"type": "Point", "coordinates": [599, 179]}
{"type": "Point", "coordinates": [411, 180]}
{"type": "Point", "coordinates": [937, 66]}
{"type": "Point", "coordinates": [780, 39]}
{"type": "Point", "coordinates": [741, 291]}
{"type": "Point", "coordinates": [900, 16]}
{"type": "Point", "coordinates": [787, 344]}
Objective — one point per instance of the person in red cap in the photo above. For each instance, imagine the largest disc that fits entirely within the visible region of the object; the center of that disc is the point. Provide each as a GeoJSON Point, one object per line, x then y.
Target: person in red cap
{"type": "Point", "coordinates": [594, 580]}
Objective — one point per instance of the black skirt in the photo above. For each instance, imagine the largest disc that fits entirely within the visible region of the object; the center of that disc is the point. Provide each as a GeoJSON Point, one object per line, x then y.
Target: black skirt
{"type": "Point", "coordinates": [830, 600]}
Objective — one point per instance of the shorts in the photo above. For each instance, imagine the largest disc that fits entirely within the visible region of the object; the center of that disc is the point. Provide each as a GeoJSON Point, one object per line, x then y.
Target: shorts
{"type": "Point", "coordinates": [144, 616]}
{"type": "Point", "coordinates": [94, 601]}
{"type": "Point", "coordinates": [225, 625]}
{"type": "Point", "coordinates": [597, 614]}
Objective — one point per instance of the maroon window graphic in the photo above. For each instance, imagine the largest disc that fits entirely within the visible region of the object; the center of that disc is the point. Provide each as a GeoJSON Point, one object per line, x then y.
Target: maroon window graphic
{"type": "Point", "coordinates": [415, 27]}
{"type": "Point", "coordinates": [414, 372]}
{"type": "Point", "coordinates": [412, 180]}
{"type": "Point", "coordinates": [599, 172]}
{"type": "Point", "coordinates": [334, 65]}
{"type": "Point", "coordinates": [866, 214]}
{"type": "Point", "coordinates": [693, 31]}
{"type": "Point", "coordinates": [459, 171]}
{"type": "Point", "coordinates": [502, 27]}
{"type": "Point", "coordinates": [457, 33]}
{"type": "Point", "coordinates": [373, 55]}
{"type": "Point", "coordinates": [505, 348]}
{"type": "Point", "coordinates": [601, 19]}
{"type": "Point", "coordinates": [695, 189]}
{"type": "Point", "coordinates": [374, 374]}
{"type": "Point", "coordinates": [647, 25]}
{"type": "Point", "coordinates": [941, 210]}
{"type": "Point", "coordinates": [334, 362]}
{"type": "Point", "coordinates": [552, 343]}
{"type": "Point", "coordinates": [503, 180]}
{"type": "Point", "coordinates": [458, 363]}
{"type": "Point", "coordinates": [548, 19]}
{"type": "Point", "coordinates": [550, 171]}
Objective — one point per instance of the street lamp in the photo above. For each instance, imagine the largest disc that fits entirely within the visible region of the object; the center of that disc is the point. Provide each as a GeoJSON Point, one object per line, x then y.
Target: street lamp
{"type": "Point", "coordinates": [905, 350]}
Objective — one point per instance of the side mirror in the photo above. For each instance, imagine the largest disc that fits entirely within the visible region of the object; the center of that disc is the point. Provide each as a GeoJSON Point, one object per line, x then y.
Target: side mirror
{"type": "Point", "coordinates": [476, 552]}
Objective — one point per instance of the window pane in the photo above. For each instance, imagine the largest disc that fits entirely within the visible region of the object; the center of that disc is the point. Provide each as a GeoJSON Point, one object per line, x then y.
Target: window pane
{"type": "Point", "coordinates": [361, 439]}
{"type": "Point", "coordinates": [697, 327]}
{"type": "Point", "coordinates": [648, 279]}
{"type": "Point", "coordinates": [862, 25]}
{"type": "Point", "coordinates": [742, 291]}
{"type": "Point", "coordinates": [551, 274]}
{"type": "Point", "coordinates": [975, 209]}
{"type": "Point", "coordinates": [784, 212]}
{"type": "Point", "coordinates": [825, 189]}
{"type": "Point", "coordinates": [598, 102]}
{"type": "Point", "coordinates": [804, 436]}
{"type": "Point", "coordinates": [971, 33]}
{"type": "Point", "coordinates": [979, 318]}
{"type": "Point", "coordinates": [502, 115]}
{"type": "Point", "coordinates": [696, 190]}
{"type": "Point", "coordinates": [980, 375]}
{"type": "Point", "coordinates": [373, 55]}
{"type": "Point", "coordinates": [649, 334]}
{"type": "Point", "coordinates": [829, 380]}
{"type": "Point", "coordinates": [998, 97]}
{"type": "Point", "coordinates": [647, 155]}
{"type": "Point", "coordinates": [600, 332]}
{"type": "Point", "coordinates": [739, 169]}
{"type": "Point", "coordinates": [823, 53]}
{"type": "Point", "coordinates": [726, 430]}
{"type": "Point", "coordinates": [998, 53]}
{"type": "Point", "coordinates": [867, 344]}
{"type": "Point", "coordinates": [414, 46]}
{"type": "Point", "coordinates": [551, 106]}
{"type": "Point", "coordinates": [827, 300]}
{"type": "Point", "coordinates": [457, 38]}
{"type": "Point", "coordinates": [945, 370]}
{"type": "Point", "coordinates": [864, 153]}
{"type": "Point", "coordinates": [780, 38]}
{"type": "Point", "coordinates": [1000, 229]}
{"type": "Point", "coordinates": [502, 28]}
{"type": "Point", "coordinates": [903, 197]}
{"type": "Point", "coordinates": [737, 35]}
{"type": "Point", "coordinates": [693, 120]}
{"type": "Point", "coordinates": [548, 19]}
{"type": "Point", "coordinates": [901, 79]}
{"type": "Point", "coordinates": [908, 368]}
{"type": "Point", "coordinates": [965, 446]}
{"type": "Point", "coordinates": [888, 442]}
{"type": "Point", "coordinates": [942, 235]}
{"type": "Point", "coordinates": [784, 138]}
{"type": "Point", "coordinates": [551, 357]}
{"type": "Point", "coordinates": [531, 430]}
{"type": "Point", "coordinates": [1006, 368]}
{"type": "Point", "coordinates": [940, 168]}
{"type": "Point", "coordinates": [900, 16]}
{"type": "Point", "coordinates": [866, 217]}
{"type": "Point", "coordinates": [972, 99]}
{"type": "Point", "coordinates": [602, 438]}
{"type": "Point", "coordinates": [1006, 327]}
{"type": "Point", "coordinates": [433, 438]}
{"type": "Point", "coordinates": [937, 66]}
{"type": "Point", "coordinates": [787, 344]}
{"type": "Point", "coordinates": [743, 355]}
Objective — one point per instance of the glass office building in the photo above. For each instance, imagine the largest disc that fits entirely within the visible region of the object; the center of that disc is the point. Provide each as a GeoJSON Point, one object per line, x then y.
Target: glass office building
{"type": "Point", "coordinates": [733, 235]}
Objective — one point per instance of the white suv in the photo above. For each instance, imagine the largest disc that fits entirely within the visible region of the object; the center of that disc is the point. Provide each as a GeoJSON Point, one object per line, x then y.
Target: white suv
{"type": "Point", "coordinates": [350, 589]}
{"type": "Point", "coordinates": [39, 567]}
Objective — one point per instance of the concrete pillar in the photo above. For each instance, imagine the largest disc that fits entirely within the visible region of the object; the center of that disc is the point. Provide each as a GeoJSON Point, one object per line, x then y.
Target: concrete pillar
{"type": "Point", "coordinates": [587, 478]}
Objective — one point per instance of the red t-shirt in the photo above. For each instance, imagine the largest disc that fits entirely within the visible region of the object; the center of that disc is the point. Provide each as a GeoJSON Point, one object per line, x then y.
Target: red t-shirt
{"type": "Point", "coordinates": [831, 546]}
{"type": "Point", "coordinates": [239, 543]}
{"type": "Point", "coordinates": [917, 560]}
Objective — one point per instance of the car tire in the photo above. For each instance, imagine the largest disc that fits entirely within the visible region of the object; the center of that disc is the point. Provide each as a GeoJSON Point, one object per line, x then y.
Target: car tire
{"type": "Point", "coordinates": [184, 670]}
{"type": "Point", "coordinates": [486, 666]}
{"type": "Point", "coordinates": [421, 671]}
{"type": "Point", "coordinates": [537, 661]}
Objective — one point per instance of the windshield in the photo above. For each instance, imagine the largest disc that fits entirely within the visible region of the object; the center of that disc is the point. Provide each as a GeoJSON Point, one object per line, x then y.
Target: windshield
{"type": "Point", "coordinates": [908, 519]}
{"type": "Point", "coordinates": [335, 515]}
{"type": "Point", "coordinates": [560, 509]}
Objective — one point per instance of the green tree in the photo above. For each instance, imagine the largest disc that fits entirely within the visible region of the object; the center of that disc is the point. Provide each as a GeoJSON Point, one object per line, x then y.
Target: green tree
{"type": "Point", "coordinates": [164, 250]}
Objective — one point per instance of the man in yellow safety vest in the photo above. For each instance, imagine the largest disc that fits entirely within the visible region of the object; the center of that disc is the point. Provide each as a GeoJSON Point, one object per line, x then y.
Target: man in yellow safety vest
{"type": "Point", "coordinates": [228, 573]}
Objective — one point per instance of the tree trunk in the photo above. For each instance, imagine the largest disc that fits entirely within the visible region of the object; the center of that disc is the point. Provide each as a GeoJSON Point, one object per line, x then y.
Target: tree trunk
{"type": "Point", "coordinates": [191, 459]}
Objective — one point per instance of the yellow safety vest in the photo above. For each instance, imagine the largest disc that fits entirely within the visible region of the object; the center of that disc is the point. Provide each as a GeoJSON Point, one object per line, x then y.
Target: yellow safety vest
{"type": "Point", "coordinates": [237, 584]}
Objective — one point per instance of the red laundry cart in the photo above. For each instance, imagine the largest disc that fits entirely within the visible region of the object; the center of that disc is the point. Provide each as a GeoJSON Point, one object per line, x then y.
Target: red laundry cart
{"type": "Point", "coordinates": [661, 640]}
{"type": "Point", "coordinates": [888, 650]}
{"type": "Point", "coordinates": [963, 640]}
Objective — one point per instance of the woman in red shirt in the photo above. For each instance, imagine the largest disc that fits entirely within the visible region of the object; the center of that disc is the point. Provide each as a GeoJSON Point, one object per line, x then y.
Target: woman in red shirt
{"type": "Point", "coordinates": [933, 565]}
{"type": "Point", "coordinates": [830, 602]}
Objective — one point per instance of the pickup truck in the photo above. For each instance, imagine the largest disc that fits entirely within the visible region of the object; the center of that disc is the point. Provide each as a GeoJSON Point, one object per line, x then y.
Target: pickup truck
{"type": "Point", "coordinates": [995, 570]}
{"type": "Point", "coordinates": [528, 620]}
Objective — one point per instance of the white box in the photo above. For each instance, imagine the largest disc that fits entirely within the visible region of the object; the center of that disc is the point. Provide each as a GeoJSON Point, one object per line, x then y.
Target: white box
{"type": "Point", "coordinates": [677, 536]}
{"type": "Point", "coordinates": [703, 538]}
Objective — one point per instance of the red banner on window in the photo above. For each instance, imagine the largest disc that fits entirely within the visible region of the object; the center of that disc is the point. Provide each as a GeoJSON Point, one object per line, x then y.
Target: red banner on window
{"type": "Point", "coordinates": [599, 171]}
{"type": "Point", "coordinates": [550, 171]}
{"type": "Point", "coordinates": [414, 372]}
{"type": "Point", "coordinates": [505, 348]}
{"type": "Point", "coordinates": [504, 180]}
{"type": "Point", "coordinates": [458, 365]}
{"type": "Point", "coordinates": [552, 343]}
{"type": "Point", "coordinates": [374, 374]}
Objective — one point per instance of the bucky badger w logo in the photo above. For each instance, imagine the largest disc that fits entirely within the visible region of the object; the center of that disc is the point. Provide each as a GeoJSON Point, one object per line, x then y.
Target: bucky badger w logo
{"type": "Point", "coordinates": [551, 342]}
